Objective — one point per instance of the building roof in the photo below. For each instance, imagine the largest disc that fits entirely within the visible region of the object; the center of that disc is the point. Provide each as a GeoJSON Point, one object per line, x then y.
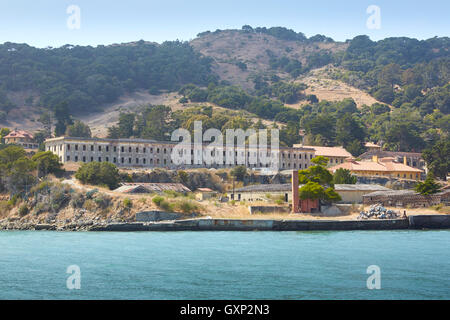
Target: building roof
{"type": "Point", "coordinates": [19, 134]}
{"type": "Point", "coordinates": [328, 151]}
{"type": "Point", "coordinates": [169, 143]}
{"type": "Point", "coordinates": [371, 145]}
{"type": "Point", "coordinates": [360, 187]}
{"type": "Point", "coordinates": [391, 193]}
{"type": "Point", "coordinates": [384, 165]}
{"type": "Point", "coordinates": [204, 190]}
{"type": "Point", "coordinates": [383, 154]}
{"type": "Point", "coordinates": [266, 188]}
{"type": "Point", "coordinates": [153, 187]}
{"type": "Point", "coordinates": [286, 187]}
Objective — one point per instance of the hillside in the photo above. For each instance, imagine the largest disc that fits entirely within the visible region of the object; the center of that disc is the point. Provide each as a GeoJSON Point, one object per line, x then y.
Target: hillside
{"type": "Point", "coordinates": [255, 50]}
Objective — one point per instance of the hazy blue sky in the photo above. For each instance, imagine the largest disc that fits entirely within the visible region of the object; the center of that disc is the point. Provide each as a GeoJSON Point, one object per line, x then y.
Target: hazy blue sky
{"type": "Point", "coordinates": [44, 22]}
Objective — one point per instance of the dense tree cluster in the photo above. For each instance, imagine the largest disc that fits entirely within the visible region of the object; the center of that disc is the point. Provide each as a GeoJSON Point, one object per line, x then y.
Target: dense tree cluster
{"type": "Point", "coordinates": [85, 77]}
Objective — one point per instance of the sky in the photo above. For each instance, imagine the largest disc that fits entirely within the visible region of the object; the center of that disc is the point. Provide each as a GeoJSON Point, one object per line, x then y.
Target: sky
{"type": "Point", "coordinates": [44, 23]}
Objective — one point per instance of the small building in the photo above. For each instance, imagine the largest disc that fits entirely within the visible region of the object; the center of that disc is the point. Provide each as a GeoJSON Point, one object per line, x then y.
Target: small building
{"type": "Point", "coordinates": [350, 193]}
{"type": "Point", "coordinates": [405, 198]}
{"type": "Point", "coordinates": [336, 155]}
{"type": "Point", "coordinates": [139, 188]}
{"type": "Point", "coordinates": [263, 192]}
{"type": "Point", "coordinates": [384, 167]}
{"type": "Point", "coordinates": [22, 138]}
{"type": "Point", "coordinates": [353, 193]}
{"type": "Point", "coordinates": [205, 194]}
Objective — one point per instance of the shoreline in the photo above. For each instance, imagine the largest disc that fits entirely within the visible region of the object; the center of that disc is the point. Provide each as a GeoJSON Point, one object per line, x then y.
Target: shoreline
{"type": "Point", "coordinates": [412, 222]}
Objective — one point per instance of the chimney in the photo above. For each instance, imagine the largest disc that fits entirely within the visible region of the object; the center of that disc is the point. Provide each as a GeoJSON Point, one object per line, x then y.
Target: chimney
{"type": "Point", "coordinates": [405, 162]}
{"type": "Point", "coordinates": [295, 198]}
{"type": "Point", "coordinates": [375, 159]}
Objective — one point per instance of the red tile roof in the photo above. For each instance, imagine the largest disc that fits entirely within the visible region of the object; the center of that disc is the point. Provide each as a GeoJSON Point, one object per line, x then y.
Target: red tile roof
{"type": "Point", "coordinates": [19, 134]}
{"type": "Point", "coordinates": [384, 164]}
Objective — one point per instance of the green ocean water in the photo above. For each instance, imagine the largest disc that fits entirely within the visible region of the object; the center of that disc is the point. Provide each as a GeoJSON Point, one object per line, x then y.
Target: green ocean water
{"type": "Point", "coordinates": [225, 265]}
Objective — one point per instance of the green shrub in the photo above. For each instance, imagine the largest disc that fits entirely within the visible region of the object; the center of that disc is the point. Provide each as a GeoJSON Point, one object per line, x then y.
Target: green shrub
{"type": "Point", "coordinates": [157, 200]}
{"type": "Point", "coordinates": [77, 200]}
{"type": "Point", "coordinates": [127, 203]}
{"type": "Point", "coordinates": [23, 210]}
{"type": "Point", "coordinates": [102, 200]}
{"type": "Point", "coordinates": [172, 194]}
{"type": "Point", "coordinates": [99, 173]}
{"type": "Point", "coordinates": [186, 206]}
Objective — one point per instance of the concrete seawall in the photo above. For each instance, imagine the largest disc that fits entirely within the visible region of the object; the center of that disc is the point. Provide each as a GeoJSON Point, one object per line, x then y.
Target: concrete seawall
{"type": "Point", "coordinates": [414, 222]}
{"type": "Point", "coordinates": [430, 222]}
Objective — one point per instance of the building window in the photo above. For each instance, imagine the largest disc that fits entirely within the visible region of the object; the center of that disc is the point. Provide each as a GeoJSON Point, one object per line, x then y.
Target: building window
{"type": "Point", "coordinates": [76, 158]}
{"type": "Point", "coordinates": [122, 160]}
{"type": "Point", "coordinates": [99, 148]}
{"type": "Point", "coordinates": [84, 159]}
{"type": "Point", "coordinates": [144, 150]}
{"type": "Point", "coordinates": [129, 149]}
{"type": "Point", "coordinates": [68, 158]}
{"type": "Point", "coordinates": [115, 149]}
{"type": "Point", "coordinates": [68, 147]}
{"type": "Point", "coordinates": [115, 160]}
{"type": "Point", "coordinates": [84, 148]}
{"type": "Point", "coordinates": [144, 160]}
{"type": "Point", "coordinates": [107, 159]}
{"type": "Point", "coordinates": [129, 160]}
{"type": "Point", "coordinates": [107, 149]}
{"type": "Point", "coordinates": [92, 148]}
{"type": "Point", "coordinates": [137, 160]}
{"type": "Point", "coordinates": [122, 149]}
{"type": "Point", "coordinates": [137, 150]}
{"type": "Point", "coordinates": [99, 159]}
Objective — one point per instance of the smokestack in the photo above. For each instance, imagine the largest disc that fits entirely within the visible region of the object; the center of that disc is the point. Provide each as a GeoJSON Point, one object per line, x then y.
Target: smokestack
{"type": "Point", "coordinates": [295, 198]}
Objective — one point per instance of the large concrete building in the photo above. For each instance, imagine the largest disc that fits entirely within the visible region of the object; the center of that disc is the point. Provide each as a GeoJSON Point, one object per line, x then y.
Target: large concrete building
{"type": "Point", "coordinates": [137, 153]}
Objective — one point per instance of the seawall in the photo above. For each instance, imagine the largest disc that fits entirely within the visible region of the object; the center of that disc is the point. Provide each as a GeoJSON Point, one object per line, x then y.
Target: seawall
{"type": "Point", "coordinates": [413, 222]}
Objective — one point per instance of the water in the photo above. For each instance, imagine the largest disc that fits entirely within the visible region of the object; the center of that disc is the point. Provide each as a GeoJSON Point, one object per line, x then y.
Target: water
{"type": "Point", "coordinates": [225, 265]}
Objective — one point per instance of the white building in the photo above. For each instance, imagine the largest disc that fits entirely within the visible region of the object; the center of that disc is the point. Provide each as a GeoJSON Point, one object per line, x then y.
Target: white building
{"type": "Point", "coordinates": [138, 153]}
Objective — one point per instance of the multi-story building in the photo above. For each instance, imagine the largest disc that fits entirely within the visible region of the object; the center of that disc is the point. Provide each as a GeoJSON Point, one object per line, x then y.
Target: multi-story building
{"type": "Point", "coordinates": [413, 159]}
{"type": "Point", "coordinates": [22, 138]}
{"type": "Point", "coordinates": [385, 167]}
{"type": "Point", "coordinates": [138, 153]}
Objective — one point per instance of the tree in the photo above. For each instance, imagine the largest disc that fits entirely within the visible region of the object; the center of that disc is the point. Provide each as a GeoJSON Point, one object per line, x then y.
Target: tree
{"type": "Point", "coordinates": [438, 159]}
{"type": "Point", "coordinates": [317, 173]}
{"type": "Point", "coordinates": [239, 172]}
{"type": "Point", "coordinates": [99, 173]}
{"type": "Point", "coordinates": [429, 186]}
{"type": "Point", "coordinates": [3, 133]}
{"type": "Point", "coordinates": [126, 125]}
{"type": "Point", "coordinates": [317, 182]}
{"type": "Point", "coordinates": [63, 118]}
{"type": "Point", "coordinates": [344, 176]}
{"type": "Point", "coordinates": [46, 162]}
{"type": "Point", "coordinates": [10, 154]}
{"type": "Point", "coordinates": [78, 130]}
